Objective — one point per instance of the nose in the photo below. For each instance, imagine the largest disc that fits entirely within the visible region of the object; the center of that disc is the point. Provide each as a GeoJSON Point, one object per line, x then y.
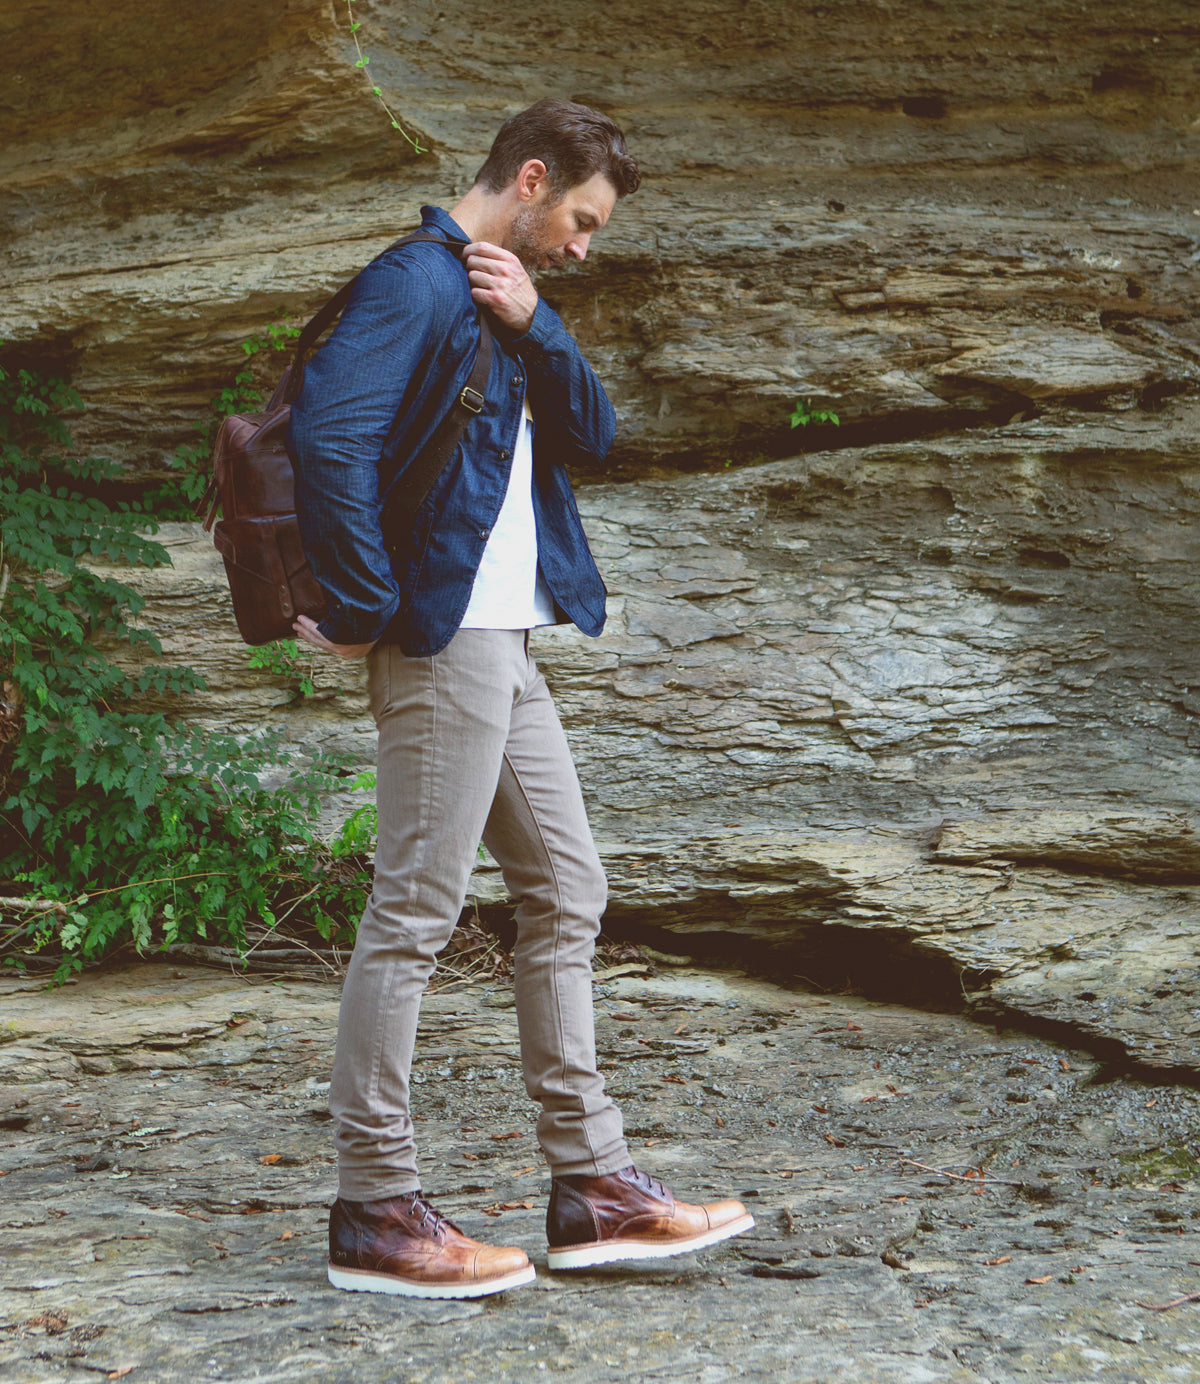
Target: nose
{"type": "Point", "coordinates": [577, 246]}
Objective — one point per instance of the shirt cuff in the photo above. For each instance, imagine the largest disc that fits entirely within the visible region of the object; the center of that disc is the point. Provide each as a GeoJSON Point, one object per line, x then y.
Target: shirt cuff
{"type": "Point", "coordinates": [341, 626]}
{"type": "Point", "coordinates": [540, 338]}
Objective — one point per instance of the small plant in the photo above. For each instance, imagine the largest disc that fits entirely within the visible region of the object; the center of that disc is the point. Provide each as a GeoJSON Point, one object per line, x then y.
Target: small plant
{"type": "Point", "coordinates": [804, 415]}
{"type": "Point", "coordinates": [283, 659]}
{"type": "Point", "coordinates": [241, 396]}
{"type": "Point", "coordinates": [176, 499]}
{"type": "Point", "coordinates": [356, 835]}
{"type": "Point", "coordinates": [377, 92]}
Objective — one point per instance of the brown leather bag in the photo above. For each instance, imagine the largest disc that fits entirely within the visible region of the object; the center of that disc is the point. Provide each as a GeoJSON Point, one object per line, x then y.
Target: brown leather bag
{"type": "Point", "coordinates": [253, 485]}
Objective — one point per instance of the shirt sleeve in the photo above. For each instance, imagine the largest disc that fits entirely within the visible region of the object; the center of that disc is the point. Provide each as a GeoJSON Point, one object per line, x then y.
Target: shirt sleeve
{"type": "Point", "coordinates": [563, 385]}
{"type": "Point", "coordinates": [353, 389]}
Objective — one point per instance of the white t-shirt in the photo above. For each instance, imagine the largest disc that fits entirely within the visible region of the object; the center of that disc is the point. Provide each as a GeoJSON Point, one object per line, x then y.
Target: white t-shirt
{"type": "Point", "coordinates": [509, 591]}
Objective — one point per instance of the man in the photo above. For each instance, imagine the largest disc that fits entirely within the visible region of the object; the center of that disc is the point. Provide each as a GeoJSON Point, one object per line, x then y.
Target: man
{"type": "Point", "coordinates": [470, 745]}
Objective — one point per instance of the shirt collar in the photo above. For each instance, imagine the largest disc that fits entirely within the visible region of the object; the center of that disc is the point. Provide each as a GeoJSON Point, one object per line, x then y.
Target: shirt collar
{"type": "Point", "coordinates": [435, 219]}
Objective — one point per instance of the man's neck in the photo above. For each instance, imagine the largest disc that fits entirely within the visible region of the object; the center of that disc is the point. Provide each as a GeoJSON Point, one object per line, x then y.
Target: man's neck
{"type": "Point", "coordinates": [484, 216]}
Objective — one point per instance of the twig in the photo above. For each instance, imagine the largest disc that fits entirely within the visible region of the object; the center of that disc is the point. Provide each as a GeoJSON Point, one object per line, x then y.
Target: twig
{"type": "Point", "coordinates": [38, 905]}
{"type": "Point", "coordinates": [162, 879]}
{"type": "Point", "coordinates": [961, 1177]}
{"type": "Point", "coordinates": [1166, 1306]}
{"type": "Point", "coordinates": [4, 576]}
{"type": "Point", "coordinates": [272, 931]}
{"type": "Point", "coordinates": [312, 952]}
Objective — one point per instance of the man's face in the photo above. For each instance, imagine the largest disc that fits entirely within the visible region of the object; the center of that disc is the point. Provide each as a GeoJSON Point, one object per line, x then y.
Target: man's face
{"type": "Point", "coordinates": [546, 233]}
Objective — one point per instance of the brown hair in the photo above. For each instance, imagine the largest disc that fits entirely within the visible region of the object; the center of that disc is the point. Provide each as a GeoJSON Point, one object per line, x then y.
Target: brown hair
{"type": "Point", "coordinates": [574, 142]}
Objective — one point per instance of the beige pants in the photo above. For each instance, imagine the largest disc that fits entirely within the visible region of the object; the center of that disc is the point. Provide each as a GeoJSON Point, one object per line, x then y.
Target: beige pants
{"type": "Point", "coordinates": [470, 748]}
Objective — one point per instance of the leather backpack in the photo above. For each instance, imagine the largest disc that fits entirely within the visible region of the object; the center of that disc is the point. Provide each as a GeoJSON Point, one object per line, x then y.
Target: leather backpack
{"type": "Point", "coordinates": [253, 485]}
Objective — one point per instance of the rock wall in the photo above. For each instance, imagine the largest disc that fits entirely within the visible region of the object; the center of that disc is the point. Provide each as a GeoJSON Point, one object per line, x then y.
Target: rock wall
{"type": "Point", "coordinates": [922, 695]}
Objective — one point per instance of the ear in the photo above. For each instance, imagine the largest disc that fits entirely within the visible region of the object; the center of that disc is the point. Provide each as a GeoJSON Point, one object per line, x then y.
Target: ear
{"type": "Point", "coordinates": [531, 177]}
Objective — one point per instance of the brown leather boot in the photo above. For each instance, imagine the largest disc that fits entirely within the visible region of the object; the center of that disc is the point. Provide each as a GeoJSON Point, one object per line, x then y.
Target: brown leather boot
{"type": "Point", "coordinates": [630, 1215]}
{"type": "Point", "coordinates": [403, 1246]}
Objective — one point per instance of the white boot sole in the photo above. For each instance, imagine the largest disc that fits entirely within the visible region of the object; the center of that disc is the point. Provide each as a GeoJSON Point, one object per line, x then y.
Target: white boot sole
{"type": "Point", "coordinates": [615, 1251]}
{"type": "Point", "coordinates": [364, 1281]}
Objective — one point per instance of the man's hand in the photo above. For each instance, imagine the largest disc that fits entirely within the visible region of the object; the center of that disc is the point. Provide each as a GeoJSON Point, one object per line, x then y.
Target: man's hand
{"type": "Point", "coordinates": [499, 282]}
{"type": "Point", "coordinates": [306, 628]}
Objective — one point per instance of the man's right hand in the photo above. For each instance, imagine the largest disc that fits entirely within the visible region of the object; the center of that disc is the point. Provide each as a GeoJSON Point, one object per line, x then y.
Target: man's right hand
{"type": "Point", "coordinates": [306, 628]}
{"type": "Point", "coordinates": [500, 282]}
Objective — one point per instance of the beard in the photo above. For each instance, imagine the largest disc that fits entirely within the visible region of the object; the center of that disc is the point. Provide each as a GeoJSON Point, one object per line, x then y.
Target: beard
{"type": "Point", "coordinates": [529, 240]}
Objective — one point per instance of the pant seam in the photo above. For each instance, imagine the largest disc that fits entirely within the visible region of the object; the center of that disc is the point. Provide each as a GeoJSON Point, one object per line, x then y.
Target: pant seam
{"type": "Point", "coordinates": [558, 895]}
{"type": "Point", "coordinates": [416, 877]}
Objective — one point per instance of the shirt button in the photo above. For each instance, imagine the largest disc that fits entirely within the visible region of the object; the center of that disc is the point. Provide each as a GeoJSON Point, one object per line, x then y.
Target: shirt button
{"type": "Point", "coordinates": [504, 455]}
{"type": "Point", "coordinates": [483, 533]}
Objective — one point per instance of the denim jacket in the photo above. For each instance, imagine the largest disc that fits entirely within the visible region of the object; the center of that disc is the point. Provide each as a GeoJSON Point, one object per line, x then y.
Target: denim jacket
{"type": "Point", "coordinates": [372, 396]}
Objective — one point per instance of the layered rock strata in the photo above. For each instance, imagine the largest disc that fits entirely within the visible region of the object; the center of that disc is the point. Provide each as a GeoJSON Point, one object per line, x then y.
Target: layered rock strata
{"type": "Point", "coordinates": [923, 695]}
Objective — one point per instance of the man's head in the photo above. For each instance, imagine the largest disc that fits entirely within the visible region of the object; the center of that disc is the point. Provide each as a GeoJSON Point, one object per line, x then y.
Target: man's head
{"type": "Point", "coordinates": [573, 141]}
{"type": "Point", "coordinates": [561, 167]}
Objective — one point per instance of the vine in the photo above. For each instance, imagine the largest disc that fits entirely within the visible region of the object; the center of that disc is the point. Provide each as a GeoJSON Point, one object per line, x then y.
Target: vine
{"type": "Point", "coordinates": [377, 92]}
{"type": "Point", "coordinates": [116, 827]}
{"type": "Point", "coordinates": [283, 659]}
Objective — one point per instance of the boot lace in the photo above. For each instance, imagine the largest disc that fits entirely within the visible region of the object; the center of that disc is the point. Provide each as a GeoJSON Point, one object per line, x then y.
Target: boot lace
{"type": "Point", "coordinates": [647, 1183]}
{"type": "Point", "coordinates": [425, 1215]}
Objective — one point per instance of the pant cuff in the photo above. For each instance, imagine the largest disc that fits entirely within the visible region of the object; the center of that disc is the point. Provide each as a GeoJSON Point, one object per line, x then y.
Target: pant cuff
{"type": "Point", "coordinates": [379, 1188]}
{"type": "Point", "coordinates": [593, 1167]}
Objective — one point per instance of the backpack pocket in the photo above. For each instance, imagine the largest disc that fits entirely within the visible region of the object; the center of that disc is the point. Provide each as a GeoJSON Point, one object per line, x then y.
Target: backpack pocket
{"type": "Point", "coordinates": [269, 577]}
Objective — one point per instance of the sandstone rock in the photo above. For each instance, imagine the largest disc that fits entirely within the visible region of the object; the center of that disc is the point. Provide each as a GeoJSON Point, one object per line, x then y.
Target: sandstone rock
{"type": "Point", "coordinates": [1048, 365]}
{"type": "Point", "coordinates": [932, 682]}
{"type": "Point", "coordinates": [828, 211]}
{"type": "Point", "coordinates": [825, 710]}
{"type": "Point", "coordinates": [1142, 844]}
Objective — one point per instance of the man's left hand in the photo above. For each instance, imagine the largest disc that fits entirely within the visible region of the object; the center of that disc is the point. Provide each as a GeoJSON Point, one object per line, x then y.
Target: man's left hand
{"type": "Point", "coordinates": [499, 282]}
{"type": "Point", "coordinates": [307, 629]}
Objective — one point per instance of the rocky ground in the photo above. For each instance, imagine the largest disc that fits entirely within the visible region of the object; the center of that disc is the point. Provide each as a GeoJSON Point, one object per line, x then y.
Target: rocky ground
{"type": "Point", "coordinates": [936, 1200]}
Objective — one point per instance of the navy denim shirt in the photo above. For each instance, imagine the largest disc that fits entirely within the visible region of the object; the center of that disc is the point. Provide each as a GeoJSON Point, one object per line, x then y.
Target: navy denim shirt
{"type": "Point", "coordinates": [372, 396]}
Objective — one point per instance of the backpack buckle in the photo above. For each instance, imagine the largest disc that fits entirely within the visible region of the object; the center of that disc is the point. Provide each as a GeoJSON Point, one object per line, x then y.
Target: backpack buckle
{"type": "Point", "coordinates": [468, 403]}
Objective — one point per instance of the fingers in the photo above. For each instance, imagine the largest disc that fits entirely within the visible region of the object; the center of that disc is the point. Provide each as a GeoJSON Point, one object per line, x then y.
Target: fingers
{"type": "Point", "coordinates": [499, 281]}
{"type": "Point", "coordinates": [307, 630]}
{"type": "Point", "coordinates": [493, 268]}
{"type": "Point", "coordinates": [485, 250]}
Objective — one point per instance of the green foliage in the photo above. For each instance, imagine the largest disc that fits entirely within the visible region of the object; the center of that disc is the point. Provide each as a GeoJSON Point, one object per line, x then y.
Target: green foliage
{"type": "Point", "coordinates": [358, 831]}
{"type": "Point", "coordinates": [116, 827]}
{"type": "Point", "coordinates": [177, 498]}
{"type": "Point", "coordinates": [803, 415]}
{"type": "Point", "coordinates": [283, 659]}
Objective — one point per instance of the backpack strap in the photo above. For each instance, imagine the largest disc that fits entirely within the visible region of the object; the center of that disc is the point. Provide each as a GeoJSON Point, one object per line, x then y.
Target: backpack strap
{"type": "Point", "coordinates": [319, 324]}
{"type": "Point", "coordinates": [419, 477]}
